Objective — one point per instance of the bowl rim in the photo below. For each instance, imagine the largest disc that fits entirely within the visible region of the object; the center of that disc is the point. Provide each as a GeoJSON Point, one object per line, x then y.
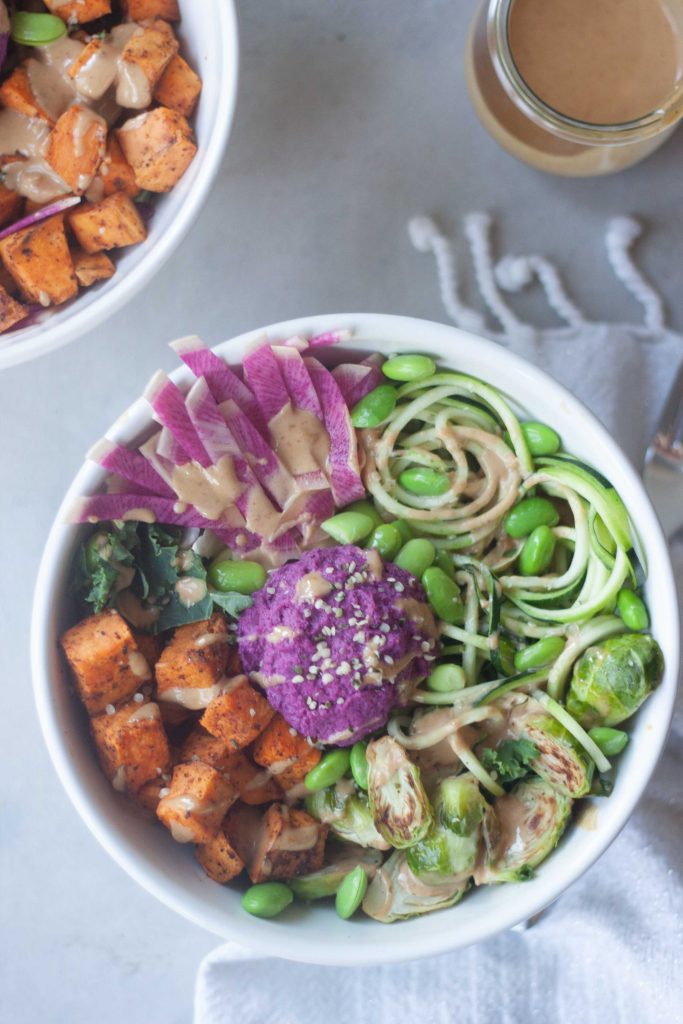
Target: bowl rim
{"type": "Point", "coordinates": [266, 938]}
{"type": "Point", "coordinates": [101, 308]}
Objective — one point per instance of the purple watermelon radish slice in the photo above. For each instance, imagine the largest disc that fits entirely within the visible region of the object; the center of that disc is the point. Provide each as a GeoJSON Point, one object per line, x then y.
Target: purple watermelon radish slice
{"type": "Point", "coordinates": [344, 469]}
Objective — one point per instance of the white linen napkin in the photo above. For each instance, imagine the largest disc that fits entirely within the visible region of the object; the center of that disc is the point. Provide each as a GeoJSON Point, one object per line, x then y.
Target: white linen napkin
{"type": "Point", "coordinates": [610, 951]}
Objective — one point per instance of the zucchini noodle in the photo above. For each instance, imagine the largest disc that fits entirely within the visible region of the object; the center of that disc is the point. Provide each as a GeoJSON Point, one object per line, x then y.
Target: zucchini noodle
{"type": "Point", "coordinates": [466, 431]}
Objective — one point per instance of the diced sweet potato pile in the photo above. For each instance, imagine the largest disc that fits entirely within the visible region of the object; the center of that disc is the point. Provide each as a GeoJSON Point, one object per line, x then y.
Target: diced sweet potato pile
{"type": "Point", "coordinates": [124, 133]}
{"type": "Point", "coordinates": [180, 731]}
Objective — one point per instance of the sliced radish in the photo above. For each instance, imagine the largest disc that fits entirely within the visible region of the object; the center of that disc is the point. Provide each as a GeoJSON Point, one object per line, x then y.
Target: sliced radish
{"type": "Point", "coordinates": [223, 382]}
{"type": "Point", "coordinates": [344, 469]}
{"type": "Point", "coordinates": [130, 465]}
{"type": "Point", "coordinates": [168, 403]}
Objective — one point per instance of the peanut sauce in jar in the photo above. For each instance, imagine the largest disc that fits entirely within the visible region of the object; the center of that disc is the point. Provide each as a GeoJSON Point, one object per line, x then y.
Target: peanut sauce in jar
{"type": "Point", "coordinates": [578, 87]}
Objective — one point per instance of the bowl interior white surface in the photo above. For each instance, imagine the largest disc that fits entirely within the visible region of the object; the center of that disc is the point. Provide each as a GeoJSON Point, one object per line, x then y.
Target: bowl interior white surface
{"type": "Point", "coordinates": [208, 35]}
{"type": "Point", "coordinates": [315, 934]}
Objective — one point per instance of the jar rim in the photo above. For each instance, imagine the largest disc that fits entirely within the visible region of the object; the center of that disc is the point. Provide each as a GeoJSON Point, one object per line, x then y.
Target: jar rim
{"type": "Point", "coordinates": [542, 114]}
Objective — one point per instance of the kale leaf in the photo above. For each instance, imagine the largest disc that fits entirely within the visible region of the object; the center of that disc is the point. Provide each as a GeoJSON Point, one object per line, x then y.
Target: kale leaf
{"type": "Point", "coordinates": [148, 559]}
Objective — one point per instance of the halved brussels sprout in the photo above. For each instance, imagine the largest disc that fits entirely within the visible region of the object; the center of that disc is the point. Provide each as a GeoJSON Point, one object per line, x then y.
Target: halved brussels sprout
{"type": "Point", "coordinates": [450, 848]}
{"type": "Point", "coordinates": [348, 814]}
{"type": "Point", "coordinates": [396, 893]}
{"type": "Point", "coordinates": [523, 827]}
{"type": "Point", "coordinates": [342, 859]}
{"type": "Point", "coordinates": [398, 800]}
{"type": "Point", "coordinates": [611, 680]}
{"type": "Point", "coordinates": [560, 760]}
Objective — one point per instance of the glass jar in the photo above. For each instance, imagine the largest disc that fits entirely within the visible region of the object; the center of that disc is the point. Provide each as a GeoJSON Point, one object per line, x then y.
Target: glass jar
{"type": "Point", "coordinates": [541, 134]}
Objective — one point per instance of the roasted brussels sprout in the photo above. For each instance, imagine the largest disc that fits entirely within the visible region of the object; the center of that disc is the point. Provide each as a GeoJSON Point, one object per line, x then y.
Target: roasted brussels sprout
{"type": "Point", "coordinates": [396, 893]}
{"type": "Point", "coordinates": [522, 828]}
{"type": "Point", "coordinates": [612, 679]}
{"type": "Point", "coordinates": [342, 858]}
{"type": "Point", "coordinates": [398, 800]}
{"type": "Point", "coordinates": [348, 814]}
{"type": "Point", "coordinates": [559, 759]}
{"type": "Point", "coordinates": [450, 848]}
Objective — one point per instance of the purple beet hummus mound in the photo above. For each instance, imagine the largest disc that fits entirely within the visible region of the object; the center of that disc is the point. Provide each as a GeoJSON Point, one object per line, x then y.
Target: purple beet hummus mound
{"type": "Point", "coordinates": [337, 640]}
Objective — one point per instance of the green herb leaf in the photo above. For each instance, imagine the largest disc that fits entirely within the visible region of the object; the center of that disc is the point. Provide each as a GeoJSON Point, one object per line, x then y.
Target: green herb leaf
{"type": "Point", "coordinates": [231, 603]}
{"type": "Point", "coordinates": [101, 560]}
{"type": "Point", "coordinates": [511, 760]}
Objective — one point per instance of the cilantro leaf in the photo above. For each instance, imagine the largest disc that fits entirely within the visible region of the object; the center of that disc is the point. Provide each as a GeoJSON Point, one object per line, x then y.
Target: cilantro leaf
{"type": "Point", "coordinates": [511, 760]}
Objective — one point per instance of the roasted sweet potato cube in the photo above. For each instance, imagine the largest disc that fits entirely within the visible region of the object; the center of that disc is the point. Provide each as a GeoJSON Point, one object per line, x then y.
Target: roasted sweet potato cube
{"type": "Point", "coordinates": [197, 801]}
{"type": "Point", "coordinates": [93, 86]}
{"type": "Point", "coordinates": [285, 753]}
{"type": "Point", "coordinates": [91, 267]}
{"type": "Point", "coordinates": [195, 659]}
{"type": "Point", "coordinates": [105, 660]}
{"type": "Point", "coordinates": [285, 842]}
{"type": "Point", "coordinates": [132, 745]}
{"type": "Point", "coordinates": [200, 745]}
{"type": "Point", "coordinates": [143, 61]}
{"type": "Point", "coordinates": [11, 206]}
{"type": "Point", "coordinates": [38, 259]}
{"type": "Point", "coordinates": [140, 10]}
{"type": "Point", "coordinates": [255, 785]}
{"type": "Point", "coordinates": [11, 311]}
{"type": "Point", "coordinates": [179, 87]}
{"type": "Point", "coordinates": [8, 283]}
{"type": "Point", "coordinates": [17, 94]}
{"type": "Point", "coordinates": [218, 858]}
{"type": "Point", "coordinates": [238, 715]}
{"type": "Point", "coordinates": [76, 147]}
{"type": "Point", "coordinates": [79, 11]}
{"type": "Point", "coordinates": [159, 146]}
{"type": "Point", "coordinates": [115, 171]}
{"type": "Point", "coordinates": [112, 223]}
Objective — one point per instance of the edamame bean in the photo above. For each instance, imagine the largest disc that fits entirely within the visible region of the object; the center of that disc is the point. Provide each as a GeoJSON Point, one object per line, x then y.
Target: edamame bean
{"type": "Point", "coordinates": [331, 767]}
{"type": "Point", "coordinates": [445, 563]}
{"type": "Point", "coordinates": [351, 892]}
{"type": "Point", "coordinates": [348, 527]}
{"type": "Point", "coordinates": [238, 577]}
{"type": "Point", "coordinates": [416, 556]}
{"type": "Point", "coordinates": [268, 899]}
{"type": "Point", "coordinates": [540, 438]}
{"type": "Point", "coordinates": [406, 530]}
{"type": "Point", "coordinates": [387, 540]}
{"type": "Point", "coordinates": [375, 407]}
{"type": "Point", "coordinates": [426, 482]}
{"type": "Point", "coordinates": [409, 367]}
{"type": "Point", "coordinates": [526, 515]}
{"type": "Point", "coordinates": [366, 508]}
{"type": "Point", "coordinates": [632, 610]}
{"type": "Point", "coordinates": [443, 595]}
{"type": "Point", "coordinates": [610, 741]}
{"type": "Point", "coordinates": [359, 763]}
{"type": "Point", "coordinates": [538, 551]}
{"type": "Point", "coordinates": [30, 29]}
{"type": "Point", "coordinates": [446, 678]}
{"type": "Point", "coordinates": [539, 654]}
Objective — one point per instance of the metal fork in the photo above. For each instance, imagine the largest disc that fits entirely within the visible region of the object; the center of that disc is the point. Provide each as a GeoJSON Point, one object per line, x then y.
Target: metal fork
{"type": "Point", "coordinates": [663, 471]}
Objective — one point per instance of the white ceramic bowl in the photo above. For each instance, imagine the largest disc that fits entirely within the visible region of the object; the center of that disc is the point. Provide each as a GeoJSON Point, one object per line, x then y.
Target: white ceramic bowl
{"type": "Point", "coordinates": [208, 34]}
{"type": "Point", "coordinates": [316, 934]}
